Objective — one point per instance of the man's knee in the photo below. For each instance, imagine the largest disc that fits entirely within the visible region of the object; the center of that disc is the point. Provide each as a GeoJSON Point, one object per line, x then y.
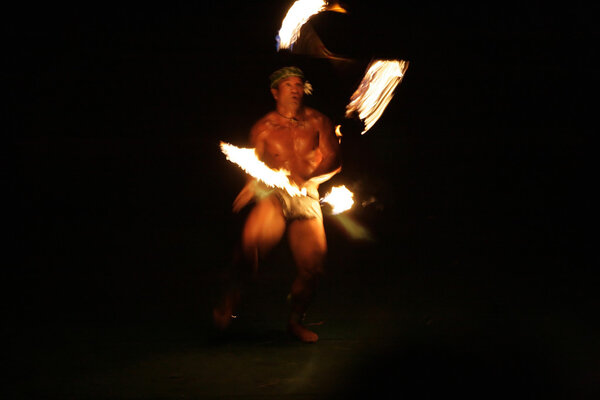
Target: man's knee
{"type": "Point", "coordinates": [311, 265]}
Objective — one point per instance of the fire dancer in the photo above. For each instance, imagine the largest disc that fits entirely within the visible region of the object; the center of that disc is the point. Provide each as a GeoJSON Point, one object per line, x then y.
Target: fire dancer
{"type": "Point", "coordinates": [302, 141]}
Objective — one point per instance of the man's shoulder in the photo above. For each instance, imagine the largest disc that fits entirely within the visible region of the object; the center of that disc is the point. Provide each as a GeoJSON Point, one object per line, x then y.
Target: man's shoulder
{"type": "Point", "coordinates": [265, 121]}
{"type": "Point", "coordinates": [314, 114]}
{"type": "Point", "coordinates": [311, 112]}
{"type": "Point", "coordinates": [264, 125]}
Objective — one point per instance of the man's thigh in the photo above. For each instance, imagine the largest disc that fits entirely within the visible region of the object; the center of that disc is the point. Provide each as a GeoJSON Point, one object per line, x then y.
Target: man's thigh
{"type": "Point", "coordinates": [265, 225]}
{"type": "Point", "coordinates": [307, 242]}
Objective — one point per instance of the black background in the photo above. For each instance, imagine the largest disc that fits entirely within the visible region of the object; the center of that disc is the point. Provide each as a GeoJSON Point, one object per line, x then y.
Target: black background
{"type": "Point", "coordinates": [481, 167]}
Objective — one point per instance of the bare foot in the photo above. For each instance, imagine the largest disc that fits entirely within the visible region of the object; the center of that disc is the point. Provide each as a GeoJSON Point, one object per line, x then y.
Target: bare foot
{"type": "Point", "coordinates": [303, 334]}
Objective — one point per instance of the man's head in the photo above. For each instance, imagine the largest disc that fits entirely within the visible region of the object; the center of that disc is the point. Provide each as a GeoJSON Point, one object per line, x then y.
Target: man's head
{"type": "Point", "coordinates": [283, 73]}
{"type": "Point", "coordinates": [286, 72]}
{"type": "Point", "coordinates": [288, 85]}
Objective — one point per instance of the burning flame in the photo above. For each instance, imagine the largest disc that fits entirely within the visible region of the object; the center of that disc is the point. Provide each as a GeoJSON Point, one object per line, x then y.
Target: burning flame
{"type": "Point", "coordinates": [249, 162]}
{"type": "Point", "coordinates": [376, 90]}
{"type": "Point", "coordinates": [340, 198]}
{"type": "Point", "coordinates": [296, 17]}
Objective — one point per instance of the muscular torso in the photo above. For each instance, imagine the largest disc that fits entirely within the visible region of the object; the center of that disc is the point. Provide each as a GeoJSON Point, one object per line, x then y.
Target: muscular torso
{"type": "Point", "coordinates": [292, 145]}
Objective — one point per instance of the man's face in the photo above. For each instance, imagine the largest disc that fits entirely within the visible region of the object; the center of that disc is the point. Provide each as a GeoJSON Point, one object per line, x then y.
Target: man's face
{"type": "Point", "coordinates": [290, 91]}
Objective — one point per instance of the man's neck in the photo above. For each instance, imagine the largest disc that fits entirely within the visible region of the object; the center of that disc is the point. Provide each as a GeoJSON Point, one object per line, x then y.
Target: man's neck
{"type": "Point", "coordinates": [289, 113]}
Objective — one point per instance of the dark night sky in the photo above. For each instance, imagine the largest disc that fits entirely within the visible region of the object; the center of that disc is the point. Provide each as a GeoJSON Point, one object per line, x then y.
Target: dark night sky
{"type": "Point", "coordinates": [115, 113]}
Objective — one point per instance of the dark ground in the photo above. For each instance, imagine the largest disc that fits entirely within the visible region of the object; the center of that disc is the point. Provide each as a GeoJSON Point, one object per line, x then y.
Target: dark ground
{"type": "Point", "coordinates": [479, 281]}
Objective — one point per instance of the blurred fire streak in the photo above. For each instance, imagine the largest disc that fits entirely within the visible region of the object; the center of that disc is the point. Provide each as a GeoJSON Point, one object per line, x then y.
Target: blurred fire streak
{"type": "Point", "coordinates": [298, 14]}
{"type": "Point", "coordinates": [376, 90]}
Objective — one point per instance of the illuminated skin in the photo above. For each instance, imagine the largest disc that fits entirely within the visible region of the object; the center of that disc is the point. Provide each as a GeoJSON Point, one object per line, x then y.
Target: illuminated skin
{"type": "Point", "coordinates": [301, 140]}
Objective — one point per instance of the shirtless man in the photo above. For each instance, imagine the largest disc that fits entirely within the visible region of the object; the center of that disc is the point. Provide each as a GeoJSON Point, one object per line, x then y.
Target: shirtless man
{"type": "Point", "coordinates": [301, 140]}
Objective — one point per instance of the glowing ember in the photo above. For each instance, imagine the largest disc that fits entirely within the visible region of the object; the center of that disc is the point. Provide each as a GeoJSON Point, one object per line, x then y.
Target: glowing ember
{"type": "Point", "coordinates": [296, 17]}
{"type": "Point", "coordinates": [340, 198]}
{"type": "Point", "coordinates": [376, 90]}
{"type": "Point", "coordinates": [338, 133]}
{"type": "Point", "coordinates": [249, 162]}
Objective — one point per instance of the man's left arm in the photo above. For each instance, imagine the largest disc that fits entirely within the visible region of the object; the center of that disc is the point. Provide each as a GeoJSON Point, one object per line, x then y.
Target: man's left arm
{"type": "Point", "coordinates": [329, 147]}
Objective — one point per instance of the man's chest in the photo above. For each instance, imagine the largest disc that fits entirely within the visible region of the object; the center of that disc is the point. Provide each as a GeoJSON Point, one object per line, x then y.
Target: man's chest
{"type": "Point", "coordinates": [295, 138]}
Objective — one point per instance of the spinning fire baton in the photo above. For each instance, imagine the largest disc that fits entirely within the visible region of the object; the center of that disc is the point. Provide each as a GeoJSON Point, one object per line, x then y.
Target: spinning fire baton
{"type": "Point", "coordinates": [339, 198]}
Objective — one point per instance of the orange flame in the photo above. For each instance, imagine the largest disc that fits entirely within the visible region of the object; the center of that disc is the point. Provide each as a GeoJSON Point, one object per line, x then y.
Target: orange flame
{"type": "Point", "coordinates": [376, 90]}
{"type": "Point", "coordinates": [249, 162]}
{"type": "Point", "coordinates": [298, 14]}
{"type": "Point", "coordinates": [340, 198]}
{"type": "Point", "coordinates": [336, 8]}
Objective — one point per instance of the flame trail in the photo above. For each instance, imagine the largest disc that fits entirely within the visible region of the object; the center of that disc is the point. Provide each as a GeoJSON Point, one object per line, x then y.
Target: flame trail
{"type": "Point", "coordinates": [249, 162]}
{"type": "Point", "coordinates": [376, 90]}
{"type": "Point", "coordinates": [296, 17]}
{"type": "Point", "coordinates": [340, 198]}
